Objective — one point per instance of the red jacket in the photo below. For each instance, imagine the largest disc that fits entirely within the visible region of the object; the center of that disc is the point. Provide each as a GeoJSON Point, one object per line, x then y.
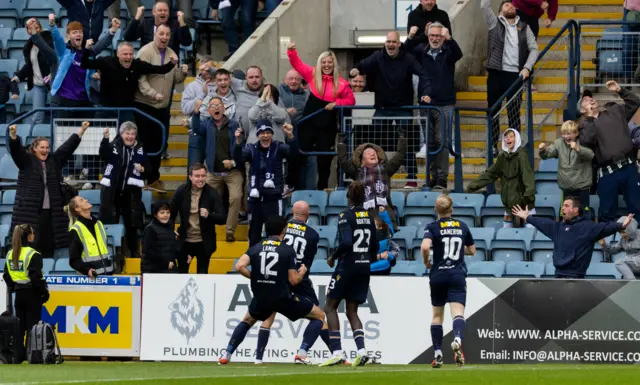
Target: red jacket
{"type": "Point", "coordinates": [344, 97]}
{"type": "Point", "coordinates": [532, 8]}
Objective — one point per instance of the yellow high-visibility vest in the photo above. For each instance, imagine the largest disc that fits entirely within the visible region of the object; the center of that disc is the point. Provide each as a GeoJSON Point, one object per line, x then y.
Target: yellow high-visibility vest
{"type": "Point", "coordinates": [95, 251]}
{"type": "Point", "coordinates": [19, 274]}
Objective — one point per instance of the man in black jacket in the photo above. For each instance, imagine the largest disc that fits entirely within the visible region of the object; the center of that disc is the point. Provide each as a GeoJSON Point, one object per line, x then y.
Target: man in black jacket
{"type": "Point", "coordinates": [200, 209]}
{"type": "Point", "coordinates": [428, 12]}
{"type": "Point", "coordinates": [119, 77]}
{"type": "Point", "coordinates": [438, 58]}
{"type": "Point", "coordinates": [89, 13]}
{"type": "Point", "coordinates": [145, 29]}
{"type": "Point", "coordinates": [390, 70]}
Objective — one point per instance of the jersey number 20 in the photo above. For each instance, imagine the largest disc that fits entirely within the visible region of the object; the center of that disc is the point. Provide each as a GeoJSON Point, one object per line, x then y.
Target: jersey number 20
{"type": "Point", "coordinates": [268, 260]}
{"type": "Point", "coordinates": [298, 244]}
{"type": "Point", "coordinates": [452, 248]}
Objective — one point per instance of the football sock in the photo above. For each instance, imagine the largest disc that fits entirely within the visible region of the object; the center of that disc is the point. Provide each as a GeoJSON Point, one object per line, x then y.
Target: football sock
{"type": "Point", "coordinates": [458, 328]}
{"type": "Point", "coordinates": [436, 336]}
{"type": "Point", "coordinates": [263, 340]}
{"type": "Point", "coordinates": [358, 336]}
{"type": "Point", "coordinates": [324, 334]}
{"type": "Point", "coordinates": [334, 338]}
{"type": "Point", "coordinates": [310, 335]}
{"type": "Point", "coordinates": [237, 337]}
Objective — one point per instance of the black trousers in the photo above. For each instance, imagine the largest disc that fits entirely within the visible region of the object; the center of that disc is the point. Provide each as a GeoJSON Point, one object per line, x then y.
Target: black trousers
{"type": "Point", "coordinates": [45, 243]}
{"type": "Point", "coordinates": [498, 82]}
{"type": "Point", "coordinates": [532, 22]}
{"type": "Point", "coordinates": [28, 308]}
{"type": "Point", "coordinates": [259, 212]}
{"type": "Point", "coordinates": [123, 208]}
{"type": "Point", "coordinates": [195, 250]}
{"type": "Point", "coordinates": [150, 136]}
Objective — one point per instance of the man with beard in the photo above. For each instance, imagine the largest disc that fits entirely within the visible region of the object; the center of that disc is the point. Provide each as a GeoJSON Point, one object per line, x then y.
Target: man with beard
{"type": "Point", "coordinates": [153, 97]}
{"type": "Point", "coordinates": [512, 53]}
{"type": "Point", "coordinates": [145, 30]}
{"type": "Point", "coordinates": [119, 77]}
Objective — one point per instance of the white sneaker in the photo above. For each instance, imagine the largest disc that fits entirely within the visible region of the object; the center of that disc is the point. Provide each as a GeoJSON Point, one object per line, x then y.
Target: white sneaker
{"type": "Point", "coordinates": [258, 362]}
{"type": "Point", "coordinates": [422, 153]}
{"type": "Point", "coordinates": [302, 361]}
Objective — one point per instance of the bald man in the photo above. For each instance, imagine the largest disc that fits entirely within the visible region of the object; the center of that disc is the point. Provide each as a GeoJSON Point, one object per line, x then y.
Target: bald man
{"type": "Point", "coordinates": [304, 240]}
{"type": "Point", "coordinates": [293, 96]}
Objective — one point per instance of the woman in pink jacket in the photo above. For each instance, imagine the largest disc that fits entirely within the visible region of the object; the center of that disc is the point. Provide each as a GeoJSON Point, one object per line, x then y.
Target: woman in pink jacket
{"type": "Point", "coordinates": [328, 90]}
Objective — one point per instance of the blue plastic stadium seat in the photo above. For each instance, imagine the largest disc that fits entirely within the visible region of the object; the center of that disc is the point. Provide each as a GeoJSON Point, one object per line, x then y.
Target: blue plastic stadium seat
{"type": "Point", "coordinates": [8, 198]}
{"type": "Point", "coordinates": [62, 267]}
{"type": "Point", "coordinates": [524, 234]}
{"type": "Point", "coordinates": [8, 22]}
{"type": "Point", "coordinates": [419, 221]}
{"type": "Point", "coordinates": [482, 238]}
{"type": "Point", "coordinates": [9, 66]}
{"type": "Point", "coordinates": [594, 202]}
{"type": "Point", "coordinates": [5, 36]}
{"type": "Point", "coordinates": [47, 265]}
{"type": "Point", "coordinates": [41, 130]}
{"type": "Point", "coordinates": [420, 203]}
{"type": "Point", "coordinates": [5, 218]}
{"type": "Point", "coordinates": [511, 244]}
{"type": "Point", "coordinates": [403, 238]}
{"type": "Point", "coordinates": [323, 253]}
{"type": "Point", "coordinates": [602, 271]}
{"type": "Point", "coordinates": [547, 187]}
{"type": "Point", "coordinates": [116, 233]}
{"type": "Point", "coordinates": [541, 251]}
{"type": "Point", "coordinates": [4, 233]}
{"type": "Point", "coordinates": [317, 200]}
{"type": "Point", "coordinates": [322, 268]}
{"type": "Point", "coordinates": [408, 268]}
{"type": "Point", "coordinates": [93, 196]}
{"type": "Point", "coordinates": [466, 207]}
{"type": "Point", "coordinates": [327, 235]}
{"type": "Point", "coordinates": [337, 202]}
{"type": "Point", "coordinates": [486, 269]}
{"type": "Point", "coordinates": [8, 170]}
{"type": "Point", "coordinates": [548, 165]}
{"type": "Point", "coordinates": [397, 198]}
{"type": "Point", "coordinates": [548, 205]}
{"type": "Point", "coordinates": [549, 270]}
{"type": "Point", "coordinates": [3, 263]}
{"type": "Point", "coordinates": [492, 213]}
{"type": "Point", "coordinates": [525, 269]}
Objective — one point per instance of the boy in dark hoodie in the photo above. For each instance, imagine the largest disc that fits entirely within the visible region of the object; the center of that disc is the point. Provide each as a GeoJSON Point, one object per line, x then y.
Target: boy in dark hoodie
{"type": "Point", "coordinates": [513, 169]}
{"type": "Point", "coordinates": [159, 244]}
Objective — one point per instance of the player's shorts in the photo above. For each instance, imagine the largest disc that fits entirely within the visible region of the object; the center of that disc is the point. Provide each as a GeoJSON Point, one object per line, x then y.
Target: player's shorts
{"type": "Point", "coordinates": [305, 289]}
{"type": "Point", "coordinates": [447, 288]}
{"type": "Point", "coordinates": [350, 286]}
{"type": "Point", "coordinates": [294, 308]}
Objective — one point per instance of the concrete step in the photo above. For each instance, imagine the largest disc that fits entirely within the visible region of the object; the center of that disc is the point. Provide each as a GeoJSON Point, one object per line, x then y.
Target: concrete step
{"type": "Point", "coordinates": [178, 138]}
{"type": "Point", "coordinates": [543, 84]}
{"type": "Point", "coordinates": [537, 96]}
{"type": "Point", "coordinates": [554, 31]}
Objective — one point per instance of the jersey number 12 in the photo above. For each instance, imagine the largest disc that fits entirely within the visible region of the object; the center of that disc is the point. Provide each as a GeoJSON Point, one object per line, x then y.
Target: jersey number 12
{"type": "Point", "coordinates": [268, 260]}
{"type": "Point", "coordinates": [452, 248]}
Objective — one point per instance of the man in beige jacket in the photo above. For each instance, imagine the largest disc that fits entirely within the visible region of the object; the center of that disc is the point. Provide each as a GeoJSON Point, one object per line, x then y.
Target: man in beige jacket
{"type": "Point", "coordinates": [154, 98]}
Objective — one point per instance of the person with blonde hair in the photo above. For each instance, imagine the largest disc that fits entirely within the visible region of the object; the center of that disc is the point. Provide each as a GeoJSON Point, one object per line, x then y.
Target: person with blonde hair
{"type": "Point", "coordinates": [575, 171]}
{"type": "Point", "coordinates": [23, 276]}
{"type": "Point", "coordinates": [328, 90]}
{"type": "Point", "coordinates": [39, 198]}
{"type": "Point", "coordinates": [451, 240]}
{"type": "Point", "coordinates": [88, 251]}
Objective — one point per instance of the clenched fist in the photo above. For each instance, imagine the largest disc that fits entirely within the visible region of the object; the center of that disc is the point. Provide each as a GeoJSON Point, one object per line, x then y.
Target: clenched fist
{"type": "Point", "coordinates": [184, 68]}
{"type": "Point", "coordinates": [158, 97]}
{"type": "Point", "coordinates": [115, 25]}
{"type": "Point", "coordinates": [238, 135]}
{"type": "Point", "coordinates": [542, 146]}
{"type": "Point", "coordinates": [174, 59]}
{"type": "Point", "coordinates": [139, 13]}
{"type": "Point", "coordinates": [13, 131]}
{"type": "Point", "coordinates": [181, 18]}
{"type": "Point", "coordinates": [83, 129]}
{"type": "Point", "coordinates": [291, 45]}
{"type": "Point", "coordinates": [288, 130]}
{"type": "Point", "coordinates": [413, 31]}
{"type": "Point", "coordinates": [106, 132]}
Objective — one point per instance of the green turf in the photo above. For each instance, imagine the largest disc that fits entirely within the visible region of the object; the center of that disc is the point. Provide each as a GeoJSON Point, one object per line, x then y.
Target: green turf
{"type": "Point", "coordinates": [197, 373]}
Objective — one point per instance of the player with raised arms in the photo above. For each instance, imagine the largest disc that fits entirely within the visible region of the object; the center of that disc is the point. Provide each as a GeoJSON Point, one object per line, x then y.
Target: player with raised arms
{"type": "Point", "coordinates": [273, 272]}
{"type": "Point", "coordinates": [350, 281]}
{"type": "Point", "coordinates": [451, 240]}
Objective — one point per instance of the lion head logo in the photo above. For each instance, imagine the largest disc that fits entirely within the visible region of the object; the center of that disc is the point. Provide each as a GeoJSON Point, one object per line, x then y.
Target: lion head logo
{"type": "Point", "coordinates": [187, 311]}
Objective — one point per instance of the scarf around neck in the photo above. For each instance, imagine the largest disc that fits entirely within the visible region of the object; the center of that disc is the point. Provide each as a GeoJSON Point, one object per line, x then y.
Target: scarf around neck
{"type": "Point", "coordinates": [270, 158]}
{"type": "Point", "coordinates": [375, 186]}
{"type": "Point", "coordinates": [130, 156]}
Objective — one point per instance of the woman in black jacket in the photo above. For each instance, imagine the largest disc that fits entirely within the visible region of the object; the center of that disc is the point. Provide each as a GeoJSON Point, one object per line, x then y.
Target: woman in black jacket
{"type": "Point", "coordinates": [39, 200]}
{"type": "Point", "coordinates": [39, 57]}
{"type": "Point", "coordinates": [160, 246]}
{"type": "Point", "coordinates": [200, 210]}
{"type": "Point", "coordinates": [122, 181]}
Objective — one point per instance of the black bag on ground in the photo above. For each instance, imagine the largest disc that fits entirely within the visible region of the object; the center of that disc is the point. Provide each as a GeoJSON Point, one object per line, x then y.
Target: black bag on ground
{"type": "Point", "coordinates": [42, 345]}
{"type": "Point", "coordinates": [11, 338]}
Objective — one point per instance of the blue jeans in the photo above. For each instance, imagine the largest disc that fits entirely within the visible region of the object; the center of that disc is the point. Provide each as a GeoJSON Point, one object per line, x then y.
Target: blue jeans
{"type": "Point", "coordinates": [308, 175]}
{"type": "Point", "coordinates": [248, 9]}
{"type": "Point", "coordinates": [39, 95]}
{"type": "Point", "coordinates": [623, 181]}
{"type": "Point", "coordinates": [196, 150]}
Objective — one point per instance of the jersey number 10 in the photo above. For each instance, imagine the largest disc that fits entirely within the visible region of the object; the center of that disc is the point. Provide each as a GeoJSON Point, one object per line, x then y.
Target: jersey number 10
{"type": "Point", "coordinates": [452, 248]}
{"type": "Point", "coordinates": [267, 261]}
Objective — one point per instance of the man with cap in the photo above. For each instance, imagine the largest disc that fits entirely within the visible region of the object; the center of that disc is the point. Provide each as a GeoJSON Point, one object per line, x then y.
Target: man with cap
{"type": "Point", "coordinates": [606, 132]}
{"type": "Point", "coordinates": [266, 176]}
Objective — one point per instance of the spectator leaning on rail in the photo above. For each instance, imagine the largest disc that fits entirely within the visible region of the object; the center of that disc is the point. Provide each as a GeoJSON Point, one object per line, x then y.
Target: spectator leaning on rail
{"type": "Point", "coordinates": [192, 97]}
{"type": "Point", "coordinates": [573, 237]}
{"type": "Point", "coordinates": [512, 167]}
{"type": "Point", "coordinates": [266, 177]}
{"type": "Point", "coordinates": [607, 134]}
{"type": "Point", "coordinates": [512, 52]}
{"type": "Point", "coordinates": [146, 29]}
{"type": "Point", "coordinates": [159, 242]}
{"type": "Point", "coordinates": [390, 71]}
{"type": "Point", "coordinates": [39, 57]}
{"type": "Point", "coordinates": [122, 182]}
{"type": "Point", "coordinates": [89, 13]}
{"type": "Point", "coordinates": [629, 243]}
{"type": "Point", "coordinates": [328, 89]}
{"type": "Point", "coordinates": [574, 164]}
{"type": "Point", "coordinates": [153, 97]}
{"type": "Point", "coordinates": [530, 12]}
{"type": "Point", "coordinates": [200, 210]}
{"type": "Point", "coordinates": [70, 87]}
{"type": "Point", "coordinates": [427, 13]}
{"type": "Point", "coordinates": [218, 132]}
{"type": "Point", "coordinates": [369, 164]}
{"type": "Point", "coordinates": [88, 251]}
{"type": "Point", "coordinates": [438, 58]}
{"type": "Point", "coordinates": [119, 77]}
{"type": "Point", "coordinates": [39, 198]}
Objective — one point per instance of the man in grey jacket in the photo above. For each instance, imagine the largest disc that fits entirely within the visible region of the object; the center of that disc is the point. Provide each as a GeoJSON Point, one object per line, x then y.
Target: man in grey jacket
{"type": "Point", "coordinates": [513, 51]}
{"type": "Point", "coordinates": [629, 242]}
{"type": "Point", "coordinates": [293, 96]}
